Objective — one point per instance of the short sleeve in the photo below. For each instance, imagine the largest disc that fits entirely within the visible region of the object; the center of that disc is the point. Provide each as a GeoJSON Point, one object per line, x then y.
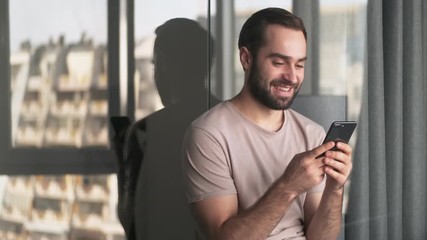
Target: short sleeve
{"type": "Point", "coordinates": [206, 167]}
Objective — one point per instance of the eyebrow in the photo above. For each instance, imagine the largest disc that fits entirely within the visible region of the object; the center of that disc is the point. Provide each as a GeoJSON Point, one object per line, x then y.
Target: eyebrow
{"type": "Point", "coordinates": [284, 57]}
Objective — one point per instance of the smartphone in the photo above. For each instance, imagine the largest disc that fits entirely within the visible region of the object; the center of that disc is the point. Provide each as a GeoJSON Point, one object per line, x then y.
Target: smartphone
{"type": "Point", "coordinates": [119, 122]}
{"type": "Point", "coordinates": [340, 131]}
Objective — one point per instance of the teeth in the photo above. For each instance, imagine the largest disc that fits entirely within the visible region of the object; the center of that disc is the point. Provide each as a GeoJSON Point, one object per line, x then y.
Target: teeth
{"type": "Point", "coordinates": [286, 89]}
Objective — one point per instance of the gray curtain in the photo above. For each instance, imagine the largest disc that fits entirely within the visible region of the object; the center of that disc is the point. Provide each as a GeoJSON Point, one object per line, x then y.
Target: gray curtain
{"type": "Point", "coordinates": [388, 190]}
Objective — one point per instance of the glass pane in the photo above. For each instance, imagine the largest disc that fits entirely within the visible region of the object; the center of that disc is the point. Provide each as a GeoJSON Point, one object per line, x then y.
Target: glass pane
{"type": "Point", "coordinates": [149, 16]}
{"type": "Point", "coordinates": [342, 48]}
{"type": "Point", "coordinates": [171, 63]}
{"type": "Point", "coordinates": [58, 65]}
{"type": "Point", "coordinates": [59, 207]}
{"type": "Point", "coordinates": [58, 61]}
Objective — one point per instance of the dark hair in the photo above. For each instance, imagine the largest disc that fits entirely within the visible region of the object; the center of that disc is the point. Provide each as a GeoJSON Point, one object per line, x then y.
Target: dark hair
{"type": "Point", "coordinates": [252, 33]}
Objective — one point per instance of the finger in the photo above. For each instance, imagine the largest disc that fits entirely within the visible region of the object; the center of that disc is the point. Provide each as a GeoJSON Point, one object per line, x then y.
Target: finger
{"type": "Point", "coordinates": [321, 149]}
{"type": "Point", "coordinates": [344, 147]}
{"type": "Point", "coordinates": [343, 168]}
{"type": "Point", "coordinates": [336, 165]}
{"type": "Point", "coordinates": [339, 156]}
{"type": "Point", "coordinates": [340, 178]}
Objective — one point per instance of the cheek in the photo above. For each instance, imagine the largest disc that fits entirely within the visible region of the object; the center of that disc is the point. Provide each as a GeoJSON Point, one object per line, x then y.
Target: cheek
{"type": "Point", "coordinates": [300, 76]}
{"type": "Point", "coordinates": [269, 72]}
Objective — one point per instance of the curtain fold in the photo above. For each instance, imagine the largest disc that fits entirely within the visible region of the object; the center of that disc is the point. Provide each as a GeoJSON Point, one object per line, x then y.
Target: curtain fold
{"type": "Point", "coordinates": [393, 83]}
{"type": "Point", "coordinates": [414, 124]}
{"type": "Point", "coordinates": [388, 193]}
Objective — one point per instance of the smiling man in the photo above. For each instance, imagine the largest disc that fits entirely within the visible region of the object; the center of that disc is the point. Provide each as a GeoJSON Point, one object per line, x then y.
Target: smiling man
{"type": "Point", "coordinates": [250, 163]}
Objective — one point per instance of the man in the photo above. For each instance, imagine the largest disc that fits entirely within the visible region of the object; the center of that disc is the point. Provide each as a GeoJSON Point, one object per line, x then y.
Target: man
{"type": "Point", "coordinates": [251, 164]}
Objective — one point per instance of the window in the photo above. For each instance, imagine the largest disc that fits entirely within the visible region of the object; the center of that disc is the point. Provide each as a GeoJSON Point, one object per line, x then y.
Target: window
{"type": "Point", "coordinates": [58, 103]}
{"type": "Point", "coordinates": [57, 99]}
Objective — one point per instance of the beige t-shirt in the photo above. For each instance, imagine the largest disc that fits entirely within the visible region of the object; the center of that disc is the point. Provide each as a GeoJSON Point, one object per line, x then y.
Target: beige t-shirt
{"type": "Point", "coordinates": [225, 153]}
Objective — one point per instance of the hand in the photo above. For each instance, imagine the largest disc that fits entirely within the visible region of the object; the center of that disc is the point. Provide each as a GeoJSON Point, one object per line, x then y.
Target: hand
{"type": "Point", "coordinates": [305, 170]}
{"type": "Point", "coordinates": [338, 166]}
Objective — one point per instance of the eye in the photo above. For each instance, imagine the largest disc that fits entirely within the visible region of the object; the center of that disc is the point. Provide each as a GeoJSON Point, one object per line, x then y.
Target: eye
{"type": "Point", "coordinates": [299, 65]}
{"type": "Point", "coordinates": [278, 63]}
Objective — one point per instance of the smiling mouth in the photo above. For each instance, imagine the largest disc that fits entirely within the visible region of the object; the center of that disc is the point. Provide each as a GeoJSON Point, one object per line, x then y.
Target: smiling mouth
{"type": "Point", "coordinates": [283, 88]}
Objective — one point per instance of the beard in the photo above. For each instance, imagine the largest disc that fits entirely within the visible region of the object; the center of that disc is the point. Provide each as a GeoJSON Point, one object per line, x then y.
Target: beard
{"type": "Point", "coordinates": [260, 89]}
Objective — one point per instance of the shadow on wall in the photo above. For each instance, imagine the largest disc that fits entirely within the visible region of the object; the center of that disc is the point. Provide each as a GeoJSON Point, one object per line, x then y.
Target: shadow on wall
{"type": "Point", "coordinates": [152, 203]}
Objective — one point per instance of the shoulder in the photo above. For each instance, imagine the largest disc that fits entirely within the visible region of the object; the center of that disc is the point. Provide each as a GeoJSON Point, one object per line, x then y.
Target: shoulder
{"type": "Point", "coordinates": [217, 117]}
{"type": "Point", "coordinates": [217, 126]}
{"type": "Point", "coordinates": [305, 126]}
{"type": "Point", "coordinates": [299, 119]}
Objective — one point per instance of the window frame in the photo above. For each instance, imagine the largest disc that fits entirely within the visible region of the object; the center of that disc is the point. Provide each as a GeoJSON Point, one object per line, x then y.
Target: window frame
{"type": "Point", "coordinates": [32, 160]}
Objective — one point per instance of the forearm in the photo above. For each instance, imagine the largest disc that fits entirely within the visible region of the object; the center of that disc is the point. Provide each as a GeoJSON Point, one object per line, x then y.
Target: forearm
{"type": "Point", "coordinates": [326, 222]}
{"type": "Point", "coordinates": [259, 221]}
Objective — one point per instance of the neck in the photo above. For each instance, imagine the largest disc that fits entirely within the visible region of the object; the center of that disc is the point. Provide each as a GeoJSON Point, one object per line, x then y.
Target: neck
{"type": "Point", "coordinates": [269, 119]}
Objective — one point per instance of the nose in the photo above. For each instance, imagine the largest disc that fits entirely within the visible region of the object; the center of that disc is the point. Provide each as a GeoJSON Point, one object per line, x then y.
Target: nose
{"type": "Point", "coordinates": [289, 74]}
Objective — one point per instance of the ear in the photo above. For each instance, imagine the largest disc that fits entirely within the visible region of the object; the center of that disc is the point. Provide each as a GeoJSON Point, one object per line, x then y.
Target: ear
{"type": "Point", "coordinates": [245, 59]}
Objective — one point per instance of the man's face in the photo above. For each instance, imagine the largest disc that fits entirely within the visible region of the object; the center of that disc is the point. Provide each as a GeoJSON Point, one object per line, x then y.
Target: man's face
{"type": "Point", "coordinates": [277, 73]}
